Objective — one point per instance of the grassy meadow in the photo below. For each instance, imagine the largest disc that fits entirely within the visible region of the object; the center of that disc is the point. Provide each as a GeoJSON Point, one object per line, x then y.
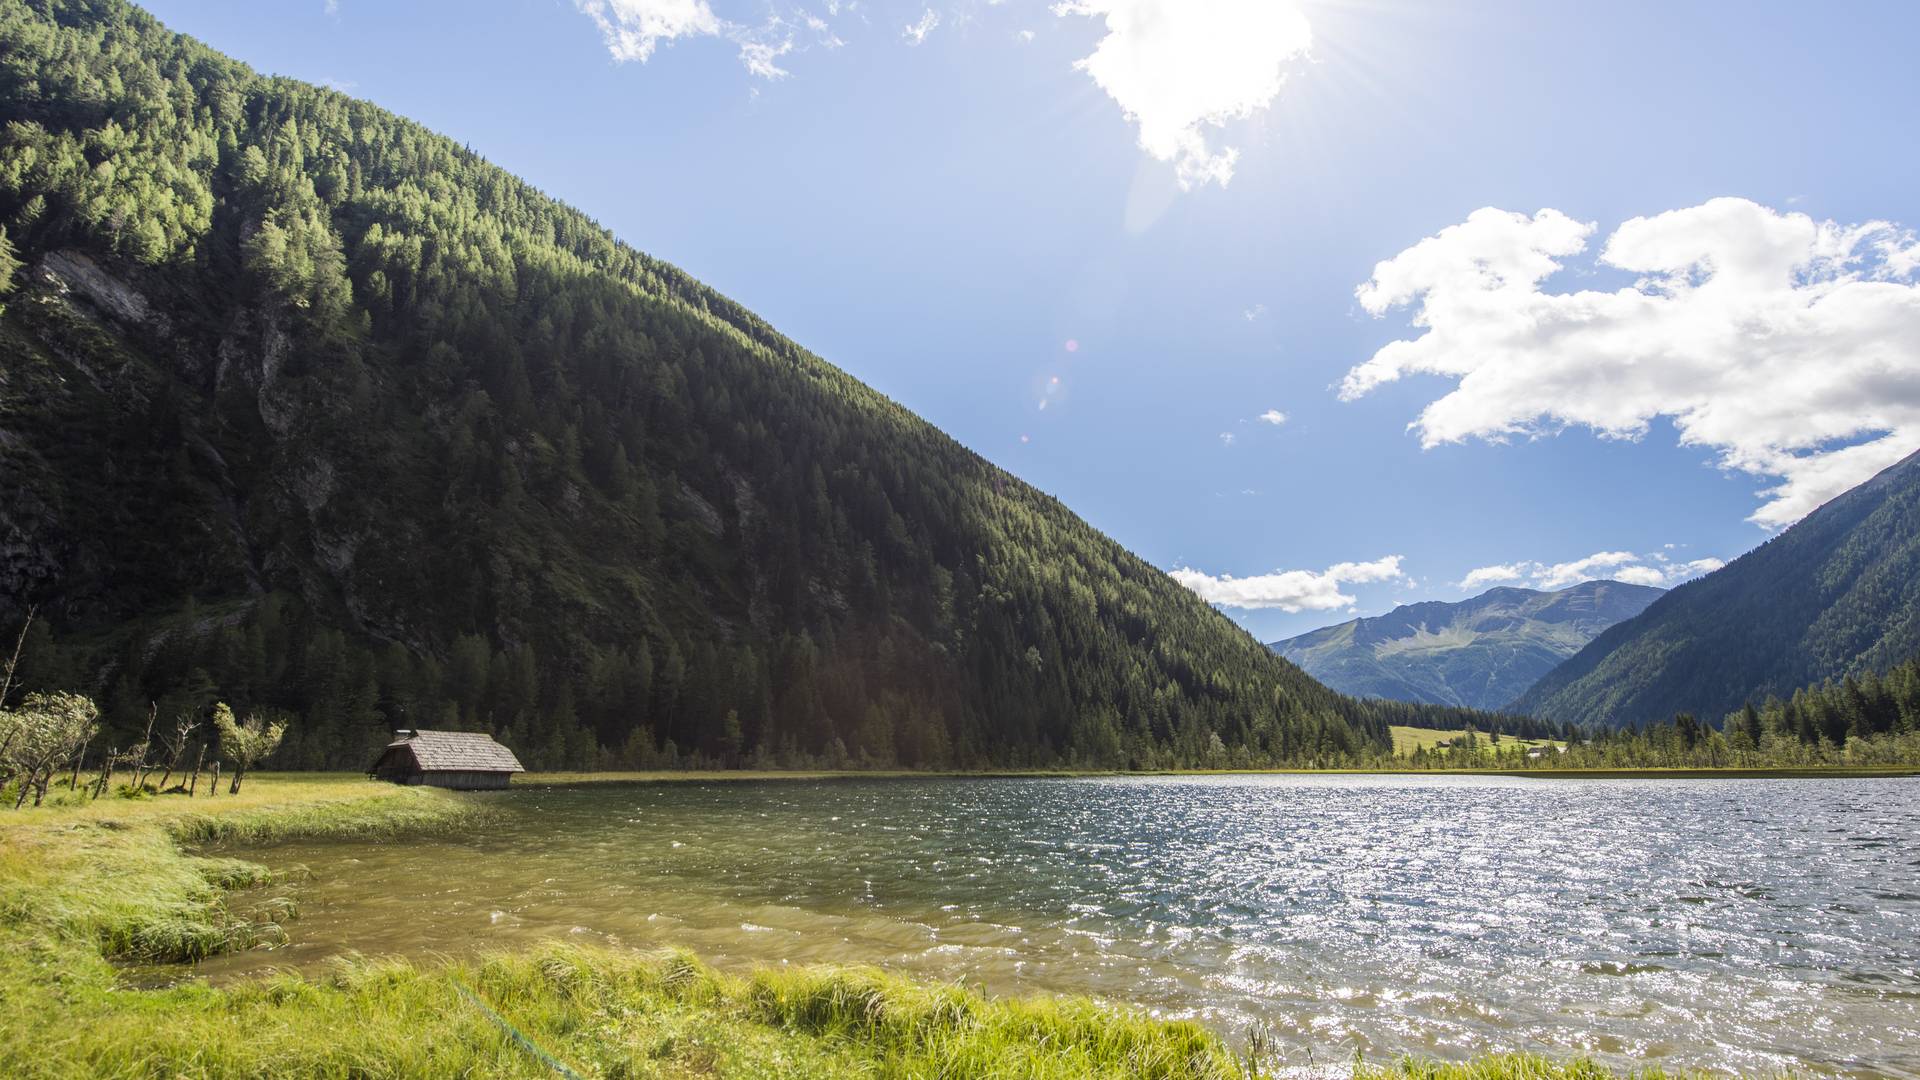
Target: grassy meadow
{"type": "Point", "coordinates": [87, 887]}
{"type": "Point", "coordinates": [1408, 739]}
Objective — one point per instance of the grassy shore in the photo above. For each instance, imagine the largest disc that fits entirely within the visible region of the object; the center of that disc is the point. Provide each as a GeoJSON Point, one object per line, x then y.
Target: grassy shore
{"type": "Point", "coordinates": [568, 779]}
{"type": "Point", "coordinates": [85, 886]}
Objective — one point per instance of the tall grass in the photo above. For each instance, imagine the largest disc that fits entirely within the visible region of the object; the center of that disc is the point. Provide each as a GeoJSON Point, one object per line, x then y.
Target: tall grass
{"type": "Point", "coordinates": [113, 874]}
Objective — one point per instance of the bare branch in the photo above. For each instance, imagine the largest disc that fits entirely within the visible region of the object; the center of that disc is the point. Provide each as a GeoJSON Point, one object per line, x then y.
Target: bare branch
{"type": "Point", "coordinates": [13, 663]}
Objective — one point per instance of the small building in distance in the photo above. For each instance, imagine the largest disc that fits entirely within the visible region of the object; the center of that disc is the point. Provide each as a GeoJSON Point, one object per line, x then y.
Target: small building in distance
{"type": "Point", "coordinates": [462, 760]}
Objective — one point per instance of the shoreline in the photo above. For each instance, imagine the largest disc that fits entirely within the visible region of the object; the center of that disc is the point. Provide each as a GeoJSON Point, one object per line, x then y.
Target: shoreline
{"type": "Point", "coordinates": [667, 776]}
{"type": "Point", "coordinates": [85, 889]}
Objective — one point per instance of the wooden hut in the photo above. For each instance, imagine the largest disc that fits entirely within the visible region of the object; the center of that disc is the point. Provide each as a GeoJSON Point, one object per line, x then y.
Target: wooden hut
{"type": "Point", "coordinates": [463, 760]}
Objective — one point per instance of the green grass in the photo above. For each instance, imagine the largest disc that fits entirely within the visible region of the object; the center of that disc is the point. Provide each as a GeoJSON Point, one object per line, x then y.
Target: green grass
{"type": "Point", "coordinates": [1408, 739]}
{"type": "Point", "coordinates": [84, 886]}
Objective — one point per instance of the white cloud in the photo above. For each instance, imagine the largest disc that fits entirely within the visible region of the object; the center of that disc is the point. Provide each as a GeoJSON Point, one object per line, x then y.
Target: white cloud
{"type": "Point", "coordinates": [1604, 564]}
{"type": "Point", "coordinates": [1493, 575]}
{"type": "Point", "coordinates": [1787, 346]}
{"type": "Point", "coordinates": [821, 30]}
{"type": "Point", "coordinates": [1226, 438]}
{"type": "Point", "coordinates": [917, 32]}
{"type": "Point", "coordinates": [1290, 590]}
{"type": "Point", "coordinates": [1272, 416]}
{"type": "Point", "coordinates": [1687, 571]}
{"type": "Point", "coordinates": [1254, 312]}
{"type": "Point", "coordinates": [635, 29]}
{"type": "Point", "coordinates": [332, 8]}
{"type": "Point", "coordinates": [1023, 36]}
{"type": "Point", "coordinates": [1179, 67]}
{"type": "Point", "coordinates": [1656, 570]}
{"type": "Point", "coordinates": [1640, 575]}
{"type": "Point", "coordinates": [759, 57]}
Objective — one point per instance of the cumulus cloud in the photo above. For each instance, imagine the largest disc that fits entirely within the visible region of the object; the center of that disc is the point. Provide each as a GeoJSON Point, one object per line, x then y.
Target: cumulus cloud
{"type": "Point", "coordinates": [1177, 68]}
{"type": "Point", "coordinates": [1687, 571]}
{"type": "Point", "coordinates": [635, 29]}
{"type": "Point", "coordinates": [1788, 347]}
{"type": "Point", "coordinates": [1501, 574]}
{"type": "Point", "coordinates": [1658, 570]}
{"type": "Point", "coordinates": [1290, 590]}
{"type": "Point", "coordinates": [1602, 564]}
{"type": "Point", "coordinates": [1272, 416]}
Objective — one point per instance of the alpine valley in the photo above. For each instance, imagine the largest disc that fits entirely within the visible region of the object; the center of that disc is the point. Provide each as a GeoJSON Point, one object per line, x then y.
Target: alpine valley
{"type": "Point", "coordinates": [438, 639]}
{"type": "Point", "coordinates": [1480, 653]}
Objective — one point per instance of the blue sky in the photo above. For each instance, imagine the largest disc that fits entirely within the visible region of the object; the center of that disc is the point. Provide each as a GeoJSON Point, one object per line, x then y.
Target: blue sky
{"type": "Point", "coordinates": [934, 196]}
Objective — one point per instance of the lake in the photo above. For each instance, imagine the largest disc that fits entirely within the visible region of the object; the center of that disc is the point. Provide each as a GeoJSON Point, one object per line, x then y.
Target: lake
{"type": "Point", "coordinates": [1737, 925]}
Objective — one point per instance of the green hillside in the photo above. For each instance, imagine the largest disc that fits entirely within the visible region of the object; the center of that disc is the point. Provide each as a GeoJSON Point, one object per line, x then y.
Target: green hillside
{"type": "Point", "coordinates": [1479, 653]}
{"type": "Point", "coordinates": [309, 407]}
{"type": "Point", "coordinates": [1836, 595]}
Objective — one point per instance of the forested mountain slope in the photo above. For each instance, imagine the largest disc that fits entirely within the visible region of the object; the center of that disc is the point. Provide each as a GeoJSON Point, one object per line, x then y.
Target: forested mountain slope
{"type": "Point", "coordinates": [308, 407]}
{"type": "Point", "coordinates": [1479, 653]}
{"type": "Point", "coordinates": [1837, 594]}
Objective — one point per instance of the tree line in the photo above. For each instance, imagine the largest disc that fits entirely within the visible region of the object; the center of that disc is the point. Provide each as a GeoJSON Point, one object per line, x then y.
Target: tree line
{"type": "Point", "coordinates": [1867, 720]}
{"type": "Point", "coordinates": [45, 734]}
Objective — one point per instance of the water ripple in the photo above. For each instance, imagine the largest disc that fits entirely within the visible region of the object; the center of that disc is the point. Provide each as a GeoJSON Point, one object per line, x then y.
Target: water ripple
{"type": "Point", "coordinates": [1733, 925]}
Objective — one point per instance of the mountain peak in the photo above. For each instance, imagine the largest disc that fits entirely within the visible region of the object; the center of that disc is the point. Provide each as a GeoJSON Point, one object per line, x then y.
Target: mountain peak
{"type": "Point", "coordinates": [1480, 652]}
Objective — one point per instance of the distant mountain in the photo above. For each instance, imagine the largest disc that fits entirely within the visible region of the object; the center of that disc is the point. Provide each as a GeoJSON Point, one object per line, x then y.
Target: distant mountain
{"type": "Point", "coordinates": [1835, 595]}
{"type": "Point", "coordinates": [1479, 653]}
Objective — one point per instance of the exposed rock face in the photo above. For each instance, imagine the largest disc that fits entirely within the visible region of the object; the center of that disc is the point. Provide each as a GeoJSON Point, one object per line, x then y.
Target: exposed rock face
{"type": "Point", "coordinates": [28, 563]}
{"type": "Point", "coordinates": [702, 510]}
{"type": "Point", "coordinates": [71, 271]}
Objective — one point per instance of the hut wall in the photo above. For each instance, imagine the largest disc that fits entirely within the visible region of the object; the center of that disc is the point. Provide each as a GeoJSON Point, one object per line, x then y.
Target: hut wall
{"type": "Point", "coordinates": [464, 780]}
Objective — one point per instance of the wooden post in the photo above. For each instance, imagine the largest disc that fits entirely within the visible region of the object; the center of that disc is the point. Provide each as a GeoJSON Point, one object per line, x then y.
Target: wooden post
{"type": "Point", "coordinates": [194, 785]}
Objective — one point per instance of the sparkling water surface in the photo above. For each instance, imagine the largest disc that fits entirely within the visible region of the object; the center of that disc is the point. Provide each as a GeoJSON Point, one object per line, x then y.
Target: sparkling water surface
{"type": "Point", "coordinates": [1736, 925]}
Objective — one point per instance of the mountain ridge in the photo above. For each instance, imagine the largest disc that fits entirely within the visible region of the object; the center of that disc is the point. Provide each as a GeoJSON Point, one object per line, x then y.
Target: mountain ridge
{"type": "Point", "coordinates": [1481, 652]}
{"type": "Point", "coordinates": [1836, 594]}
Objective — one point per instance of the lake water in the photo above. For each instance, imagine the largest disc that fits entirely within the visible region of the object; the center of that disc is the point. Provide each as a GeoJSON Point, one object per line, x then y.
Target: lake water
{"type": "Point", "coordinates": [1737, 925]}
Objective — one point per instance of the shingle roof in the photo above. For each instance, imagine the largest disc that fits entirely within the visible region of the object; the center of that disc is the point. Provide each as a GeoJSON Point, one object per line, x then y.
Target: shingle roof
{"type": "Point", "coordinates": [458, 751]}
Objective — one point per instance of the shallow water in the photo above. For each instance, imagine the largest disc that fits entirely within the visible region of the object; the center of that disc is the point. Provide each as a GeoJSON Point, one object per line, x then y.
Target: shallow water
{"type": "Point", "coordinates": [1738, 925]}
